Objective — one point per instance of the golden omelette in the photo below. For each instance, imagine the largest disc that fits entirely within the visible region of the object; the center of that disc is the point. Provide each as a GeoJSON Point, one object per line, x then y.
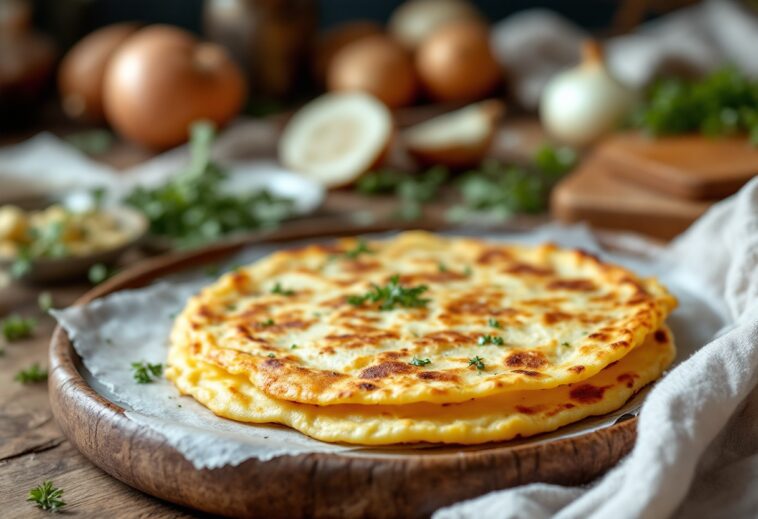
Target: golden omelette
{"type": "Point", "coordinates": [495, 418]}
{"type": "Point", "coordinates": [418, 318]}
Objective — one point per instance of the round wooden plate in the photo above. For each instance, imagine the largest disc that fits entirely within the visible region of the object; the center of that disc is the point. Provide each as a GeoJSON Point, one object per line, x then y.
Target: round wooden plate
{"type": "Point", "coordinates": [312, 485]}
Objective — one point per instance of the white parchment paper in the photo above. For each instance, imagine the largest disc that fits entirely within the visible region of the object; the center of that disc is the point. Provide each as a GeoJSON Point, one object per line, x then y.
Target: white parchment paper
{"type": "Point", "coordinates": [133, 325]}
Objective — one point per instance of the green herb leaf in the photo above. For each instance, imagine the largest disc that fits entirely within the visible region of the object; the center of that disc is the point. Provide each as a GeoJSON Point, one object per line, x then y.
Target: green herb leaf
{"type": "Point", "coordinates": [360, 248]}
{"type": "Point", "coordinates": [45, 301]}
{"type": "Point", "coordinates": [271, 355]}
{"type": "Point", "coordinates": [490, 339]}
{"type": "Point", "coordinates": [267, 322]}
{"type": "Point", "coordinates": [476, 362]}
{"type": "Point", "coordinates": [193, 208]}
{"type": "Point", "coordinates": [98, 273]}
{"type": "Point", "coordinates": [47, 497]}
{"type": "Point", "coordinates": [565, 344]}
{"type": "Point", "coordinates": [281, 291]}
{"type": "Point", "coordinates": [494, 323]}
{"type": "Point", "coordinates": [15, 327]}
{"type": "Point", "coordinates": [31, 374]}
{"type": "Point", "coordinates": [392, 295]}
{"type": "Point", "coordinates": [145, 373]}
{"type": "Point", "coordinates": [293, 347]}
{"type": "Point", "coordinates": [420, 362]}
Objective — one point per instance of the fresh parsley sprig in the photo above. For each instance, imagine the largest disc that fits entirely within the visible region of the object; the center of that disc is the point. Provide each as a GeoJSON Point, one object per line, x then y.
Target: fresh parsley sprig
{"type": "Point", "coordinates": [16, 328]}
{"type": "Point", "coordinates": [391, 295]}
{"type": "Point", "coordinates": [723, 103]}
{"type": "Point", "coordinates": [193, 208]}
{"type": "Point", "coordinates": [278, 289]}
{"type": "Point", "coordinates": [476, 362]}
{"type": "Point", "coordinates": [420, 362]}
{"type": "Point", "coordinates": [47, 497]}
{"type": "Point", "coordinates": [490, 339]}
{"type": "Point", "coordinates": [360, 248]}
{"type": "Point", "coordinates": [145, 373]}
{"type": "Point", "coordinates": [31, 375]}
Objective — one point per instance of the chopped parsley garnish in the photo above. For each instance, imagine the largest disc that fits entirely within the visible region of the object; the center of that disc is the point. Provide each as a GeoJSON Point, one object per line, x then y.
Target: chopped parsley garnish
{"type": "Point", "coordinates": [99, 273]}
{"type": "Point", "coordinates": [476, 362]}
{"type": "Point", "coordinates": [267, 322]}
{"type": "Point", "coordinates": [565, 344]}
{"type": "Point", "coordinates": [31, 374]}
{"type": "Point", "coordinates": [281, 291]}
{"type": "Point", "coordinates": [468, 271]}
{"type": "Point", "coordinates": [360, 248]}
{"type": "Point", "coordinates": [271, 355]}
{"type": "Point", "coordinates": [723, 103]}
{"type": "Point", "coordinates": [293, 347]}
{"type": "Point", "coordinates": [494, 323]}
{"type": "Point", "coordinates": [490, 339]}
{"type": "Point", "coordinates": [392, 295]}
{"type": "Point", "coordinates": [46, 242]}
{"type": "Point", "coordinates": [15, 327]}
{"type": "Point", "coordinates": [45, 301]}
{"type": "Point", "coordinates": [420, 362]}
{"type": "Point", "coordinates": [144, 372]}
{"type": "Point", "coordinates": [195, 207]}
{"type": "Point", "coordinates": [47, 497]}
{"type": "Point", "coordinates": [441, 267]}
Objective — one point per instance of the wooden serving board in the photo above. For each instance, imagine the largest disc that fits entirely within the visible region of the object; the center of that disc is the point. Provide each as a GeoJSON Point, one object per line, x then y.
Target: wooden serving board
{"type": "Point", "coordinates": [594, 195]}
{"type": "Point", "coordinates": [372, 484]}
{"type": "Point", "coordinates": [687, 166]}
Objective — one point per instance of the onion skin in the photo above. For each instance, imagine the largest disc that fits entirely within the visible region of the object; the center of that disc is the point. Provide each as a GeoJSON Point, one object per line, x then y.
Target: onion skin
{"type": "Point", "coordinates": [376, 65]}
{"type": "Point", "coordinates": [80, 78]}
{"type": "Point", "coordinates": [456, 63]}
{"type": "Point", "coordinates": [334, 40]}
{"type": "Point", "coordinates": [163, 79]}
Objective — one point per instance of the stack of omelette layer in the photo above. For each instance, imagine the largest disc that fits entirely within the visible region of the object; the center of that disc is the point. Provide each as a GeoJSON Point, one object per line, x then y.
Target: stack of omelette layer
{"type": "Point", "coordinates": [421, 338]}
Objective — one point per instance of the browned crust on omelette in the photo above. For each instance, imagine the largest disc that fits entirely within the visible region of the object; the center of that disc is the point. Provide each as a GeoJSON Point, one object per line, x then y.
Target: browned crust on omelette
{"type": "Point", "coordinates": [562, 316]}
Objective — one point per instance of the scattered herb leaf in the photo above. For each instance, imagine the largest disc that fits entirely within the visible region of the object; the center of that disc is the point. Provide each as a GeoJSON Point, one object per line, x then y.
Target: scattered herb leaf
{"type": "Point", "coordinates": [723, 103]}
{"type": "Point", "coordinates": [194, 208]}
{"type": "Point", "coordinates": [281, 291]}
{"type": "Point", "coordinates": [45, 301]}
{"type": "Point", "coordinates": [98, 273]}
{"type": "Point", "coordinates": [420, 362]}
{"type": "Point", "coordinates": [267, 322]}
{"type": "Point", "coordinates": [476, 362]}
{"type": "Point", "coordinates": [360, 248]}
{"type": "Point", "coordinates": [490, 339]}
{"type": "Point", "coordinates": [565, 344]}
{"type": "Point", "coordinates": [392, 295]}
{"type": "Point", "coordinates": [144, 372]}
{"type": "Point", "coordinates": [31, 374]}
{"type": "Point", "coordinates": [271, 355]}
{"type": "Point", "coordinates": [47, 497]}
{"type": "Point", "coordinates": [15, 327]}
{"type": "Point", "coordinates": [494, 323]}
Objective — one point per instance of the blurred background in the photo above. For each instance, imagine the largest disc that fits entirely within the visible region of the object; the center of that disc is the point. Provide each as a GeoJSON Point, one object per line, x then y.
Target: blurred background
{"type": "Point", "coordinates": [635, 115]}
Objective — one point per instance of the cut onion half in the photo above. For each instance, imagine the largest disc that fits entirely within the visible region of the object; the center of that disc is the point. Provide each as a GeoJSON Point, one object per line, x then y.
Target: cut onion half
{"type": "Point", "coordinates": [456, 139]}
{"type": "Point", "coordinates": [337, 137]}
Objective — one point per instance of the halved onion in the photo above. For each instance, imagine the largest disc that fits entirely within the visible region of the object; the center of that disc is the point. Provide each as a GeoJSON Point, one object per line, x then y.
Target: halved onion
{"type": "Point", "coordinates": [337, 137]}
{"type": "Point", "coordinates": [456, 139]}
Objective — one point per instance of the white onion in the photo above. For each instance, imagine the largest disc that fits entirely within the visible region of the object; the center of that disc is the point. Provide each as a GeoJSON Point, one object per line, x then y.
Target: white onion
{"type": "Point", "coordinates": [584, 103]}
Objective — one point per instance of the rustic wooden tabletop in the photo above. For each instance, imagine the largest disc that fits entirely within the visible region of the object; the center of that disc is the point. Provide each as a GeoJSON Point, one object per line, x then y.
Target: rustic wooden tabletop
{"type": "Point", "coordinates": [32, 447]}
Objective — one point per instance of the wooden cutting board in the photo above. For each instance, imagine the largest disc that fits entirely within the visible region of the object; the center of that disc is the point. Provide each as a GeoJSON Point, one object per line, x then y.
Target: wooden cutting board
{"type": "Point", "coordinates": [594, 195]}
{"type": "Point", "coordinates": [687, 166]}
{"type": "Point", "coordinates": [372, 483]}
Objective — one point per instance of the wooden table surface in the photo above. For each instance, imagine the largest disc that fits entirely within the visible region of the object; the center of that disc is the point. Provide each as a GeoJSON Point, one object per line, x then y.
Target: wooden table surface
{"type": "Point", "coordinates": [32, 447]}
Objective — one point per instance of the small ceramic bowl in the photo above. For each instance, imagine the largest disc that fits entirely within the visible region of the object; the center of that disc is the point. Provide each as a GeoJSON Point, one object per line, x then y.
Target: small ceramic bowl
{"type": "Point", "coordinates": [47, 270]}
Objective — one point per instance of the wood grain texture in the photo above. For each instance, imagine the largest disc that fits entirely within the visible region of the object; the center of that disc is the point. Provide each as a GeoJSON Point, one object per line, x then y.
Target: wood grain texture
{"type": "Point", "coordinates": [314, 485]}
{"type": "Point", "coordinates": [594, 195]}
{"type": "Point", "coordinates": [693, 167]}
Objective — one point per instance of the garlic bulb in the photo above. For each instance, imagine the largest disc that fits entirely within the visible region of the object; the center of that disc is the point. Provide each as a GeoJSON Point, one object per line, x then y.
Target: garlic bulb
{"type": "Point", "coordinates": [584, 103]}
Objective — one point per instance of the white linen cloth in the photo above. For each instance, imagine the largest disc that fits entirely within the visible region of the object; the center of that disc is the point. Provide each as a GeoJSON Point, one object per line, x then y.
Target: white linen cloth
{"type": "Point", "coordinates": [696, 453]}
{"type": "Point", "coordinates": [535, 44]}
